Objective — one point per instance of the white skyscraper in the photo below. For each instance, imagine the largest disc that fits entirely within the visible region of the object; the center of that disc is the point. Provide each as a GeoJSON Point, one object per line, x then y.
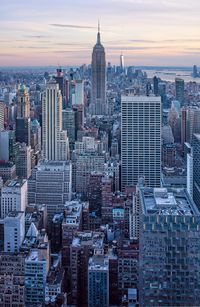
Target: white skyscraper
{"type": "Point", "coordinates": [13, 196]}
{"type": "Point", "coordinates": [52, 134]}
{"type": "Point", "coordinates": [14, 231]}
{"type": "Point", "coordinates": [141, 140]}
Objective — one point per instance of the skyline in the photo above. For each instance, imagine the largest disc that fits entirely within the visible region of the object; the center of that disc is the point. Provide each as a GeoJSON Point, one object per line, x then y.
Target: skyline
{"type": "Point", "coordinates": [146, 32]}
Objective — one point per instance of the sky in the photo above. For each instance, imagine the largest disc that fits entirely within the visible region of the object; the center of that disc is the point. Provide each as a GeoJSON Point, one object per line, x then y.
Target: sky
{"type": "Point", "coordinates": [63, 32]}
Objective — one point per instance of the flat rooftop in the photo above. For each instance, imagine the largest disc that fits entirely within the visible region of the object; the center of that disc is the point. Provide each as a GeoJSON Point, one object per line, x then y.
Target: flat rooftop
{"type": "Point", "coordinates": [14, 183]}
{"type": "Point", "coordinates": [165, 201]}
{"type": "Point", "coordinates": [94, 239]}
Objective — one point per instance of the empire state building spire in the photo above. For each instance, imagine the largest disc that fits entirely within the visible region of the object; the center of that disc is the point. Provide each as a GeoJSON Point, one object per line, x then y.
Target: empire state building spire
{"type": "Point", "coordinates": [98, 34]}
{"type": "Point", "coordinates": [98, 102]}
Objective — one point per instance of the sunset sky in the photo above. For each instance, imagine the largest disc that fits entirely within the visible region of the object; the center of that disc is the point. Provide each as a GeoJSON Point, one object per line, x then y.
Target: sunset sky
{"type": "Point", "coordinates": [52, 32]}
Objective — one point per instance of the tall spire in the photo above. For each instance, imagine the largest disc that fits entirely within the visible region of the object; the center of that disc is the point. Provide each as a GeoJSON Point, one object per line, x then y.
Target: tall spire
{"type": "Point", "coordinates": [98, 34]}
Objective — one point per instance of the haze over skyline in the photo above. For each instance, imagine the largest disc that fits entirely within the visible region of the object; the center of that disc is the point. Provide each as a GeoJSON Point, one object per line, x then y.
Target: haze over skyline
{"type": "Point", "coordinates": [147, 32]}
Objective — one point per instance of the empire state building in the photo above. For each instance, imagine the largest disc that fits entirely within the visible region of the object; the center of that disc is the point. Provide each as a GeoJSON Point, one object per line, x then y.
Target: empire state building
{"type": "Point", "coordinates": [98, 103]}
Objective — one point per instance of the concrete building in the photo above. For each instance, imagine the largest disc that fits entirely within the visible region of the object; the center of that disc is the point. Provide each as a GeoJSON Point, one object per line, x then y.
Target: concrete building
{"type": "Point", "coordinates": [169, 248]}
{"type": "Point", "coordinates": [68, 124]}
{"type": "Point", "coordinates": [12, 285]}
{"type": "Point", "coordinates": [23, 161]}
{"type": "Point", "coordinates": [7, 171]}
{"type": "Point", "coordinates": [82, 248]}
{"type": "Point", "coordinates": [98, 280]}
{"type": "Point", "coordinates": [2, 106]}
{"type": "Point", "coordinates": [141, 140]}
{"type": "Point", "coordinates": [71, 223]}
{"type": "Point", "coordinates": [13, 197]}
{"type": "Point", "coordinates": [36, 270]}
{"type": "Point", "coordinates": [85, 164]}
{"type": "Point", "coordinates": [50, 184]}
{"type": "Point", "coordinates": [14, 231]}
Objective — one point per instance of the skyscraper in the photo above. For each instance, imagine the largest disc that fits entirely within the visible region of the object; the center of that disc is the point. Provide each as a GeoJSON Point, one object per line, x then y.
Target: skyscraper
{"type": "Point", "coordinates": [53, 138]}
{"type": "Point", "coordinates": [1, 116]}
{"type": "Point", "coordinates": [23, 116]}
{"type": "Point", "coordinates": [98, 103]}
{"type": "Point", "coordinates": [180, 90]}
{"type": "Point", "coordinates": [169, 248]}
{"type": "Point", "coordinates": [122, 63]}
{"type": "Point", "coordinates": [141, 140]}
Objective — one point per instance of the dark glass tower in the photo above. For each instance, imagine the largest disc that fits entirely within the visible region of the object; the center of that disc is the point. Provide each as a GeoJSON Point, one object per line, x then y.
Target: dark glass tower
{"type": "Point", "coordinates": [98, 103]}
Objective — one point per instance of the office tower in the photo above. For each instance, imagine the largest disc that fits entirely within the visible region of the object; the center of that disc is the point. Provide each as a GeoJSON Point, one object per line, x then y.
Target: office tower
{"type": "Point", "coordinates": [23, 116]}
{"type": "Point", "coordinates": [95, 192]}
{"type": "Point", "coordinates": [179, 83]}
{"type": "Point", "coordinates": [140, 140]}
{"type": "Point", "coordinates": [14, 231]}
{"type": "Point", "coordinates": [23, 130]}
{"type": "Point", "coordinates": [82, 248]}
{"type": "Point", "coordinates": [169, 248]}
{"type": "Point", "coordinates": [7, 171]}
{"type": "Point", "coordinates": [169, 155]}
{"type": "Point", "coordinates": [85, 164]}
{"type": "Point", "coordinates": [12, 289]}
{"type": "Point", "coordinates": [78, 96]}
{"type": "Point", "coordinates": [72, 222]}
{"type": "Point", "coordinates": [122, 63]}
{"type": "Point", "coordinates": [58, 174]}
{"type": "Point", "coordinates": [36, 136]}
{"type": "Point", "coordinates": [8, 146]}
{"type": "Point", "coordinates": [1, 115]}
{"type": "Point", "coordinates": [98, 102]}
{"type": "Point", "coordinates": [36, 270]}
{"type": "Point", "coordinates": [98, 280]}
{"type": "Point", "coordinates": [56, 233]}
{"type": "Point", "coordinates": [190, 176]}
{"type": "Point", "coordinates": [52, 134]}
{"type": "Point", "coordinates": [13, 196]}
{"type": "Point", "coordinates": [196, 168]}
{"type": "Point", "coordinates": [60, 80]}
{"type": "Point", "coordinates": [155, 86]}
{"type": "Point", "coordinates": [23, 103]}
{"type": "Point", "coordinates": [68, 124]}
{"type": "Point", "coordinates": [79, 118]}
{"type": "Point", "coordinates": [195, 72]}
{"type": "Point", "coordinates": [23, 161]}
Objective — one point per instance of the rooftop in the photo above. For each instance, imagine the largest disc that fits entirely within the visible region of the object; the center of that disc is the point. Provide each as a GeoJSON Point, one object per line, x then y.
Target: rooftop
{"type": "Point", "coordinates": [14, 183]}
{"type": "Point", "coordinates": [98, 263]}
{"type": "Point", "coordinates": [165, 201]}
{"type": "Point", "coordinates": [94, 239]}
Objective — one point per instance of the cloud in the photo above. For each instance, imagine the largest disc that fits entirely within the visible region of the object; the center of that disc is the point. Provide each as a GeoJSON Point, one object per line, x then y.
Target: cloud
{"type": "Point", "coordinates": [8, 55]}
{"type": "Point", "coordinates": [36, 36]}
{"type": "Point", "coordinates": [58, 25]}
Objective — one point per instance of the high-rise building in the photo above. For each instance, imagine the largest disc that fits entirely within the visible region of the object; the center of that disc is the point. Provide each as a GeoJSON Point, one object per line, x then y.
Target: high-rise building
{"type": "Point", "coordinates": [196, 168]}
{"type": "Point", "coordinates": [1, 116]}
{"type": "Point", "coordinates": [195, 72]}
{"type": "Point", "coordinates": [122, 63]}
{"type": "Point", "coordinates": [98, 280]}
{"type": "Point", "coordinates": [155, 85]}
{"type": "Point", "coordinates": [13, 196]}
{"type": "Point", "coordinates": [52, 134]}
{"type": "Point", "coordinates": [169, 248]}
{"type": "Point", "coordinates": [23, 161]}
{"type": "Point", "coordinates": [82, 248]}
{"type": "Point", "coordinates": [50, 184]}
{"type": "Point", "coordinates": [141, 140]}
{"type": "Point", "coordinates": [23, 116]}
{"type": "Point", "coordinates": [68, 124]}
{"type": "Point", "coordinates": [179, 83]}
{"type": "Point", "coordinates": [79, 93]}
{"type": "Point", "coordinates": [14, 231]}
{"type": "Point", "coordinates": [98, 102]}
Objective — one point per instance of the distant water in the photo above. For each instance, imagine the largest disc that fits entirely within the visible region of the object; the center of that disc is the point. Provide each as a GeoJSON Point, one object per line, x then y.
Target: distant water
{"type": "Point", "coordinates": [170, 75]}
